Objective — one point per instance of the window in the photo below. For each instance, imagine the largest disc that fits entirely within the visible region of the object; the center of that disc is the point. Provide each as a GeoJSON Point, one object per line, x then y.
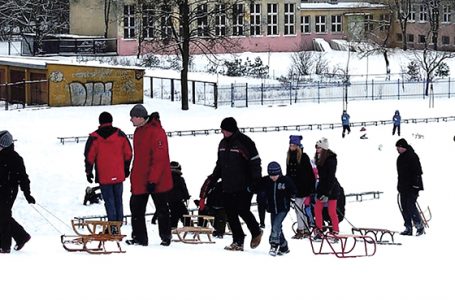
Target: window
{"type": "Point", "coordinates": [220, 20]}
{"type": "Point", "coordinates": [272, 19]}
{"type": "Point", "coordinates": [410, 38]}
{"type": "Point", "coordinates": [384, 22]}
{"type": "Point", "coordinates": [202, 23]}
{"type": "Point", "coordinates": [421, 39]}
{"type": "Point", "coordinates": [165, 22]}
{"type": "Point", "coordinates": [128, 22]}
{"type": "Point", "coordinates": [399, 37]}
{"type": "Point", "coordinates": [319, 24]}
{"type": "Point", "coordinates": [289, 18]}
{"type": "Point", "coordinates": [445, 40]}
{"type": "Point", "coordinates": [446, 14]}
{"type": "Point", "coordinates": [237, 21]}
{"type": "Point", "coordinates": [305, 26]}
{"type": "Point", "coordinates": [412, 14]}
{"type": "Point", "coordinates": [255, 19]}
{"type": "Point", "coordinates": [148, 20]}
{"type": "Point", "coordinates": [336, 24]}
{"type": "Point", "coordinates": [368, 23]}
{"type": "Point", "coordinates": [423, 16]}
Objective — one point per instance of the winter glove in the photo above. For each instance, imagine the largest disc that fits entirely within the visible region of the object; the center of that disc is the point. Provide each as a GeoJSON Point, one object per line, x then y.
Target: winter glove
{"type": "Point", "coordinates": [90, 177]}
{"type": "Point", "coordinates": [127, 173]}
{"type": "Point", "coordinates": [151, 187]}
{"type": "Point", "coordinates": [324, 199]}
{"type": "Point", "coordinates": [30, 199]}
{"type": "Point", "coordinates": [201, 204]}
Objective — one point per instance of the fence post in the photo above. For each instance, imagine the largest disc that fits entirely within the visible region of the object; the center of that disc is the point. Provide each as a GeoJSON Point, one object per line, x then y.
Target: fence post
{"type": "Point", "coordinates": [246, 94]}
{"type": "Point", "coordinates": [319, 92]}
{"type": "Point", "coordinates": [172, 90]}
{"type": "Point", "coordinates": [262, 93]}
{"type": "Point", "coordinates": [215, 95]}
{"type": "Point", "coordinates": [232, 95]}
{"type": "Point", "coordinates": [449, 87]}
{"type": "Point", "coordinates": [398, 88]}
{"type": "Point", "coordinates": [151, 87]}
{"type": "Point", "coordinates": [290, 93]}
{"type": "Point", "coordinates": [193, 94]}
{"type": "Point", "coordinates": [372, 89]}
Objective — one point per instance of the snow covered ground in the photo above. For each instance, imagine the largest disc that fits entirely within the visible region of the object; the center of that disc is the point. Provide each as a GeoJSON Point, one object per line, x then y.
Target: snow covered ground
{"type": "Point", "coordinates": [44, 270]}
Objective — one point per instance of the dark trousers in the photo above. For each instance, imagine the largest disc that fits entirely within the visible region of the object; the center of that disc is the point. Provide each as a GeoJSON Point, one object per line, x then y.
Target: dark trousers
{"type": "Point", "coordinates": [239, 205]}
{"type": "Point", "coordinates": [409, 210]}
{"type": "Point", "coordinates": [11, 229]}
{"type": "Point", "coordinates": [138, 205]}
{"type": "Point", "coordinates": [346, 128]}
{"type": "Point", "coordinates": [113, 201]}
{"type": "Point", "coordinates": [396, 128]}
{"type": "Point", "coordinates": [177, 210]}
{"type": "Point", "coordinates": [261, 200]}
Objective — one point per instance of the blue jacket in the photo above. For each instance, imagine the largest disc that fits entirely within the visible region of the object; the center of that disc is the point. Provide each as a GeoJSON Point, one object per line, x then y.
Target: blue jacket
{"type": "Point", "coordinates": [396, 118]}
{"type": "Point", "coordinates": [345, 119]}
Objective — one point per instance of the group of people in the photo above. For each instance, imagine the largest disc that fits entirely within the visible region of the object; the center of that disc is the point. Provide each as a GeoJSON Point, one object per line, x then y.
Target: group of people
{"type": "Point", "coordinates": [236, 177]}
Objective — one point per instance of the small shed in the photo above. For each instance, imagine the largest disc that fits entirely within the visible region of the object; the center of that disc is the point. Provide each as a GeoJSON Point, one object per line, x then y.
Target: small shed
{"type": "Point", "coordinates": [35, 81]}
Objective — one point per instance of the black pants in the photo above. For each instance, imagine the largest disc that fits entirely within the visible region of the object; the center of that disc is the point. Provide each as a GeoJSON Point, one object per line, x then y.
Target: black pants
{"type": "Point", "coordinates": [11, 229]}
{"type": "Point", "coordinates": [239, 205]}
{"type": "Point", "coordinates": [346, 128]}
{"type": "Point", "coordinates": [138, 205]}
{"type": "Point", "coordinates": [261, 200]}
{"type": "Point", "coordinates": [395, 128]}
{"type": "Point", "coordinates": [409, 210]}
{"type": "Point", "coordinates": [177, 210]}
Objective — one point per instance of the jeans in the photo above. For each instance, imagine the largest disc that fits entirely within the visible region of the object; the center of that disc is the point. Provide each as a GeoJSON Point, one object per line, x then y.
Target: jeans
{"type": "Point", "coordinates": [276, 235]}
{"type": "Point", "coordinates": [113, 201]}
{"type": "Point", "coordinates": [409, 210]}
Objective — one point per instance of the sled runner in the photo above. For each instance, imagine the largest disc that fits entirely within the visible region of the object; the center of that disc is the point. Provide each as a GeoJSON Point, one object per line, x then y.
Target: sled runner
{"type": "Point", "coordinates": [95, 238]}
{"type": "Point", "coordinates": [195, 226]}
{"type": "Point", "coordinates": [381, 236]}
{"type": "Point", "coordinates": [344, 245]}
{"type": "Point", "coordinates": [425, 215]}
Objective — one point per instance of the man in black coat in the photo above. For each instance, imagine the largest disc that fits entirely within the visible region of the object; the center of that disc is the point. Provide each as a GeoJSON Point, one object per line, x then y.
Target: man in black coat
{"type": "Point", "coordinates": [239, 167]}
{"type": "Point", "coordinates": [12, 175]}
{"type": "Point", "coordinates": [409, 184]}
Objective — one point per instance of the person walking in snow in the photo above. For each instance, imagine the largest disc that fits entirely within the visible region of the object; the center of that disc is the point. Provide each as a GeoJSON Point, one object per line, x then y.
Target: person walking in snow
{"type": "Point", "coordinates": [299, 169]}
{"type": "Point", "coordinates": [345, 122]}
{"type": "Point", "coordinates": [396, 119]}
{"type": "Point", "coordinates": [328, 188]}
{"type": "Point", "coordinates": [409, 184]}
{"type": "Point", "coordinates": [239, 167]}
{"type": "Point", "coordinates": [279, 189]}
{"type": "Point", "coordinates": [12, 176]}
{"type": "Point", "coordinates": [108, 149]}
{"type": "Point", "coordinates": [150, 175]}
{"type": "Point", "coordinates": [179, 195]}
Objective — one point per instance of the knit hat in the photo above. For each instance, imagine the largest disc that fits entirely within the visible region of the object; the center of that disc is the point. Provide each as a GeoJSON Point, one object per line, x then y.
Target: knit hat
{"type": "Point", "coordinates": [229, 124]}
{"type": "Point", "coordinates": [105, 117]}
{"type": "Point", "coordinates": [138, 111]}
{"type": "Point", "coordinates": [323, 143]}
{"type": "Point", "coordinates": [295, 140]}
{"type": "Point", "coordinates": [402, 143]}
{"type": "Point", "coordinates": [175, 166]}
{"type": "Point", "coordinates": [6, 139]}
{"type": "Point", "coordinates": [274, 168]}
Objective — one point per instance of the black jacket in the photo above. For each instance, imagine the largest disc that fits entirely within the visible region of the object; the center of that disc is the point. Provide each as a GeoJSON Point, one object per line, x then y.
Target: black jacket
{"type": "Point", "coordinates": [180, 191]}
{"type": "Point", "coordinates": [328, 184]}
{"type": "Point", "coordinates": [238, 164]}
{"type": "Point", "coordinates": [409, 172]}
{"type": "Point", "coordinates": [12, 175]}
{"type": "Point", "coordinates": [278, 193]}
{"type": "Point", "coordinates": [301, 173]}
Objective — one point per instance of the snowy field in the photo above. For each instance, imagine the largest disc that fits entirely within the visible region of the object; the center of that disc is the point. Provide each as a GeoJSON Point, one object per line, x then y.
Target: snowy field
{"type": "Point", "coordinates": [45, 270]}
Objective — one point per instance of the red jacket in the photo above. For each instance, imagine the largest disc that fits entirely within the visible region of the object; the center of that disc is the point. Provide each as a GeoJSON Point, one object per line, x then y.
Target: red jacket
{"type": "Point", "coordinates": [109, 150]}
{"type": "Point", "coordinates": [151, 162]}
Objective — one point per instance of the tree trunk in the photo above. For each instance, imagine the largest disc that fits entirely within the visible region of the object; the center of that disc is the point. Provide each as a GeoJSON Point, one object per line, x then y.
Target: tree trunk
{"type": "Point", "coordinates": [387, 63]}
{"type": "Point", "coordinates": [184, 74]}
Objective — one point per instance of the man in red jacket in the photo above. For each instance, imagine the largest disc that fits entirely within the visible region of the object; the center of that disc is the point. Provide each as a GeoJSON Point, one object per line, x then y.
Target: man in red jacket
{"type": "Point", "coordinates": [109, 150]}
{"type": "Point", "coordinates": [150, 175]}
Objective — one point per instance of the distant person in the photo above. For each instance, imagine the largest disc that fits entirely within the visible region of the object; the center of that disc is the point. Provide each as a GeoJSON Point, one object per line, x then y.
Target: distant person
{"type": "Point", "coordinates": [396, 122]}
{"type": "Point", "coordinates": [239, 167]}
{"type": "Point", "coordinates": [299, 169]}
{"type": "Point", "coordinates": [410, 183]}
{"type": "Point", "coordinates": [279, 190]}
{"type": "Point", "coordinates": [150, 175]}
{"type": "Point", "coordinates": [179, 195]}
{"type": "Point", "coordinates": [12, 176]}
{"type": "Point", "coordinates": [108, 149]}
{"type": "Point", "coordinates": [328, 189]}
{"type": "Point", "coordinates": [345, 122]}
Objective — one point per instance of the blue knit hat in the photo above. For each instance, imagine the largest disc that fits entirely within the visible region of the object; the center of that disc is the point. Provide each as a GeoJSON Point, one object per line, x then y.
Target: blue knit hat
{"type": "Point", "coordinates": [296, 140]}
{"type": "Point", "coordinates": [274, 168]}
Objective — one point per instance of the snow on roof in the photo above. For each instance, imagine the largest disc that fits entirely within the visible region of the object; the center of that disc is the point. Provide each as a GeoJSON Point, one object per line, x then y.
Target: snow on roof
{"type": "Point", "coordinates": [341, 5]}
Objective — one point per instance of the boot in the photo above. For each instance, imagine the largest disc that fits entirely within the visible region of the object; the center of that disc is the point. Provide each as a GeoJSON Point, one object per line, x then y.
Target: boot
{"type": "Point", "coordinates": [298, 235]}
{"type": "Point", "coordinates": [420, 231]}
{"type": "Point", "coordinates": [408, 231]}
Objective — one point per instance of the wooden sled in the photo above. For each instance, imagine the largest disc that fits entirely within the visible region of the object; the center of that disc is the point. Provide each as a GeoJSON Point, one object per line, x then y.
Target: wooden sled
{"type": "Point", "coordinates": [95, 238]}
{"type": "Point", "coordinates": [381, 236]}
{"type": "Point", "coordinates": [425, 215]}
{"type": "Point", "coordinates": [344, 245]}
{"type": "Point", "coordinates": [195, 227]}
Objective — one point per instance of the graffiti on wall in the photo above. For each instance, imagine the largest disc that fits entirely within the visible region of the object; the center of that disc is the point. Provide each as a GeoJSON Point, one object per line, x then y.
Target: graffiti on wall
{"type": "Point", "coordinates": [90, 93]}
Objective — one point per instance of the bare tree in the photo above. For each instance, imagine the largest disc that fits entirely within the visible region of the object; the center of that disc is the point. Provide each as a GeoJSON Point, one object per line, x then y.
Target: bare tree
{"type": "Point", "coordinates": [184, 27]}
{"type": "Point", "coordinates": [404, 13]}
{"type": "Point", "coordinates": [34, 17]}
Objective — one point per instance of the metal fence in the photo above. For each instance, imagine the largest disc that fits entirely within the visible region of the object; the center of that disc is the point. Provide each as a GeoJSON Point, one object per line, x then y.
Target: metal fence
{"type": "Point", "coordinates": [245, 94]}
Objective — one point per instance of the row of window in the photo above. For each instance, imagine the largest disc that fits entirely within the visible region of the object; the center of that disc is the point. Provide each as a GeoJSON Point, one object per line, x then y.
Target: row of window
{"type": "Point", "coordinates": [422, 39]}
{"type": "Point", "coordinates": [425, 15]}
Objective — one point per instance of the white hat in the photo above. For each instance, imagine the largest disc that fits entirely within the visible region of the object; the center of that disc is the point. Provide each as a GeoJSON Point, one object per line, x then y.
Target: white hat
{"type": "Point", "coordinates": [323, 143]}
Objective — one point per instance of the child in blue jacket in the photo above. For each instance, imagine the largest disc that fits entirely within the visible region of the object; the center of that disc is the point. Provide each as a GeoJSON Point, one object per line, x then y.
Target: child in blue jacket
{"type": "Point", "coordinates": [279, 190]}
